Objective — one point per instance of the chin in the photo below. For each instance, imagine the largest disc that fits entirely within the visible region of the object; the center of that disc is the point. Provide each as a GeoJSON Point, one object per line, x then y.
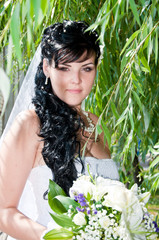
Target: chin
{"type": "Point", "coordinates": [75, 105]}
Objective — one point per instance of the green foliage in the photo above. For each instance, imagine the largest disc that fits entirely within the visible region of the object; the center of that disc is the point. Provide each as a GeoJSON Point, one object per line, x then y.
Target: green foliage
{"type": "Point", "coordinates": [152, 173]}
{"type": "Point", "coordinates": [126, 95]}
{"type": "Point", "coordinates": [60, 233]}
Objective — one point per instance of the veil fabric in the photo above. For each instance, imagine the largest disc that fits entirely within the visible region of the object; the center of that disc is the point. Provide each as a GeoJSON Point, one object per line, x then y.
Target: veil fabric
{"type": "Point", "coordinates": [23, 100]}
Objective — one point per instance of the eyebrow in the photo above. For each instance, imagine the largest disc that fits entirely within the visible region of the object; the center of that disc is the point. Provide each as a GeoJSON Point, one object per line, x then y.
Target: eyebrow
{"type": "Point", "coordinates": [82, 65]}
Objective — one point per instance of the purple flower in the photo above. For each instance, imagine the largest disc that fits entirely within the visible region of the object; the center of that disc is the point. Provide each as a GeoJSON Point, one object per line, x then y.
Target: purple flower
{"type": "Point", "coordinates": [81, 199]}
{"type": "Point", "coordinates": [80, 195]}
{"type": "Point", "coordinates": [78, 209]}
{"type": "Point", "coordinates": [156, 226]}
{"type": "Point", "coordinates": [88, 211]}
{"type": "Point", "coordinates": [82, 210]}
{"type": "Point", "coordinates": [75, 198]}
{"type": "Point", "coordinates": [95, 211]}
{"type": "Point", "coordinates": [83, 203]}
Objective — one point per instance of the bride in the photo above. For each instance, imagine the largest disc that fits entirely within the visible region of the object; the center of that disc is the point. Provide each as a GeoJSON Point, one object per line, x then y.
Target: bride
{"type": "Point", "coordinates": [47, 142]}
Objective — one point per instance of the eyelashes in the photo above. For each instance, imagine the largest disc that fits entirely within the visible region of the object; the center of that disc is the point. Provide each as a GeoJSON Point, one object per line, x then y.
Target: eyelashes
{"type": "Point", "coordinates": [65, 69]}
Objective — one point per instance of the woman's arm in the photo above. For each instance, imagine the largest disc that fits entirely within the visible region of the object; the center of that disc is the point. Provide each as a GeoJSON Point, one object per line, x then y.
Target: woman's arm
{"type": "Point", "coordinates": [17, 158]}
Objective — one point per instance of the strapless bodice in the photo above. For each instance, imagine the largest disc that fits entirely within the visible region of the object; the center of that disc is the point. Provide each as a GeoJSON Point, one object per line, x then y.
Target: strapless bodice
{"type": "Point", "coordinates": [32, 202]}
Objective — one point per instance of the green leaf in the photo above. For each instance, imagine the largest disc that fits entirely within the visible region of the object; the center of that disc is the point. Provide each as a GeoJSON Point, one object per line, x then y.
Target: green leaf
{"type": "Point", "coordinates": [156, 145]}
{"type": "Point", "coordinates": [60, 233]}
{"type": "Point", "coordinates": [44, 5]}
{"type": "Point", "coordinates": [136, 97]}
{"type": "Point", "coordinates": [36, 6]}
{"type": "Point", "coordinates": [63, 220]}
{"type": "Point", "coordinates": [136, 83]}
{"type": "Point", "coordinates": [134, 35]}
{"type": "Point", "coordinates": [154, 163]}
{"type": "Point", "coordinates": [145, 63]}
{"type": "Point", "coordinates": [153, 151]}
{"type": "Point", "coordinates": [84, 149]}
{"type": "Point", "coordinates": [106, 133]}
{"type": "Point", "coordinates": [54, 190]}
{"type": "Point", "coordinates": [134, 10]}
{"type": "Point", "coordinates": [66, 202]}
{"type": "Point", "coordinates": [133, 152]}
{"type": "Point", "coordinates": [98, 131]}
{"type": "Point", "coordinates": [122, 117]}
{"type": "Point", "coordinates": [108, 92]}
{"type": "Point", "coordinates": [131, 120]}
{"type": "Point", "coordinates": [57, 206]}
{"type": "Point", "coordinates": [156, 47]}
{"type": "Point", "coordinates": [114, 110]}
{"type": "Point", "coordinates": [146, 118]}
{"type": "Point", "coordinates": [15, 32]}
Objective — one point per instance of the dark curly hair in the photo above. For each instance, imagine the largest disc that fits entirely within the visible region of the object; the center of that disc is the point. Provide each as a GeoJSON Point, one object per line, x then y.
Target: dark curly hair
{"type": "Point", "coordinates": [60, 123]}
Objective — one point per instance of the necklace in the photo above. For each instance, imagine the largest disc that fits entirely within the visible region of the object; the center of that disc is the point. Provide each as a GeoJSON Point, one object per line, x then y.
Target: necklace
{"type": "Point", "coordinates": [91, 125]}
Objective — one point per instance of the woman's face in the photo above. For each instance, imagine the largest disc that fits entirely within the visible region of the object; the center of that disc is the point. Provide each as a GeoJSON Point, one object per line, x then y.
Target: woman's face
{"type": "Point", "coordinates": [72, 82]}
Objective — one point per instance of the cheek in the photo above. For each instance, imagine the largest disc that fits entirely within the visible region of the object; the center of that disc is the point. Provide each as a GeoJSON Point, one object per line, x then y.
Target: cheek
{"type": "Point", "coordinates": [89, 82]}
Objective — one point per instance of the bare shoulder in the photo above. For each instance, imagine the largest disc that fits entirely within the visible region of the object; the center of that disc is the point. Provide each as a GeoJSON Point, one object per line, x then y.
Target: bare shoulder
{"type": "Point", "coordinates": [93, 117]}
{"type": "Point", "coordinates": [28, 116]}
{"type": "Point", "coordinates": [27, 120]}
{"type": "Point", "coordinates": [25, 126]}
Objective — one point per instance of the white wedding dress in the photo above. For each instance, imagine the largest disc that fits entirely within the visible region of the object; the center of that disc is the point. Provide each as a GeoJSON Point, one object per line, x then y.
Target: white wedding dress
{"type": "Point", "coordinates": [33, 205]}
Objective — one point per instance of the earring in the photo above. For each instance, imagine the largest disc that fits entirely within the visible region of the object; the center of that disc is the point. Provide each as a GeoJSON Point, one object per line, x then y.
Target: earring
{"type": "Point", "coordinates": [46, 81]}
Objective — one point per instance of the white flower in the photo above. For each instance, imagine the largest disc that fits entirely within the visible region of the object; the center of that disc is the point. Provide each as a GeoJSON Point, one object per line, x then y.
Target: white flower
{"type": "Point", "coordinates": [116, 197]}
{"type": "Point", "coordinates": [79, 219]}
{"type": "Point", "coordinates": [103, 186]}
{"type": "Point", "coordinates": [105, 222]}
{"type": "Point", "coordinates": [82, 185]}
{"type": "Point", "coordinates": [144, 197]}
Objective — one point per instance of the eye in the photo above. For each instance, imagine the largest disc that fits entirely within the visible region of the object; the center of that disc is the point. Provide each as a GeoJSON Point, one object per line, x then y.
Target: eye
{"type": "Point", "coordinates": [64, 69]}
{"type": "Point", "coordinates": [88, 69]}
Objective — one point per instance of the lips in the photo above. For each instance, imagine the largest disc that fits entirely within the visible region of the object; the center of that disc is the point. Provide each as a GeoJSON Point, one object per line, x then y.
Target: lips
{"type": "Point", "coordinates": [75, 91]}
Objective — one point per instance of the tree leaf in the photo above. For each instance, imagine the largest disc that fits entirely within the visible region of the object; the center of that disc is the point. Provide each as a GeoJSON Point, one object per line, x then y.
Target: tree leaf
{"type": "Point", "coordinates": [106, 133]}
{"type": "Point", "coordinates": [15, 32]}
{"type": "Point", "coordinates": [134, 10]}
{"type": "Point", "coordinates": [145, 63]}
{"type": "Point", "coordinates": [133, 152]}
{"type": "Point", "coordinates": [137, 98]}
{"type": "Point", "coordinates": [134, 35]}
{"type": "Point", "coordinates": [114, 110]}
{"type": "Point", "coordinates": [146, 118]}
{"type": "Point", "coordinates": [154, 163]}
{"type": "Point", "coordinates": [122, 117]}
{"type": "Point", "coordinates": [44, 5]}
{"type": "Point", "coordinates": [156, 46]}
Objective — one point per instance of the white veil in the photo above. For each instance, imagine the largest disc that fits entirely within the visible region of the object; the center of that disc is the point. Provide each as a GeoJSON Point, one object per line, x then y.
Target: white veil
{"type": "Point", "coordinates": [23, 100]}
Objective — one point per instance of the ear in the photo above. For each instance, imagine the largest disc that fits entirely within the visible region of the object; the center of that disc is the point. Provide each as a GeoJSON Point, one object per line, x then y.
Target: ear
{"type": "Point", "coordinates": [46, 68]}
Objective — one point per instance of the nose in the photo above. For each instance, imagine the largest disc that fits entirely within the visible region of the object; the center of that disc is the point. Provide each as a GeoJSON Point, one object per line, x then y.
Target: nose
{"type": "Point", "coordinates": [76, 77]}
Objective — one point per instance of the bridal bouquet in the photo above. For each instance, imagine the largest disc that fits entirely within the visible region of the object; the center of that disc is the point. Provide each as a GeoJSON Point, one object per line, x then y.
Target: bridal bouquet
{"type": "Point", "coordinates": [99, 209]}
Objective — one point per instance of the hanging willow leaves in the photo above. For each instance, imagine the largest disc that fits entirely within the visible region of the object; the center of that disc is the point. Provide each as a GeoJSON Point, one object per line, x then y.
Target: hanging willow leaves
{"type": "Point", "coordinates": [15, 32]}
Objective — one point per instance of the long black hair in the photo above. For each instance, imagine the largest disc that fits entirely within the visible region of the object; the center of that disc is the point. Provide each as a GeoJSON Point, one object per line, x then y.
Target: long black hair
{"type": "Point", "coordinates": [60, 123]}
